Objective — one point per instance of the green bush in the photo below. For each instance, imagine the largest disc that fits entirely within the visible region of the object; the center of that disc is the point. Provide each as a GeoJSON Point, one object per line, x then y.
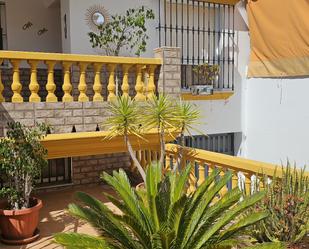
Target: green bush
{"type": "Point", "coordinates": [22, 157]}
{"type": "Point", "coordinates": [287, 201]}
{"type": "Point", "coordinates": [163, 215]}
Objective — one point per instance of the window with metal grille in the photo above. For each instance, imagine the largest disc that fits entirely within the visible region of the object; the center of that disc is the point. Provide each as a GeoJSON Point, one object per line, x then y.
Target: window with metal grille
{"type": "Point", "coordinates": [3, 27]}
{"type": "Point", "coordinates": [205, 33]}
{"type": "Point", "coordinates": [58, 172]}
{"type": "Point", "coordinates": [221, 143]}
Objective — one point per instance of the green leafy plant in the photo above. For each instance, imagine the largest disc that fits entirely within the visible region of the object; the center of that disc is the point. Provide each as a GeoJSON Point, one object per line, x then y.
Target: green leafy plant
{"type": "Point", "coordinates": [206, 73]}
{"type": "Point", "coordinates": [287, 201]}
{"type": "Point", "coordinates": [126, 31]}
{"type": "Point", "coordinates": [21, 159]}
{"type": "Point", "coordinates": [164, 216]}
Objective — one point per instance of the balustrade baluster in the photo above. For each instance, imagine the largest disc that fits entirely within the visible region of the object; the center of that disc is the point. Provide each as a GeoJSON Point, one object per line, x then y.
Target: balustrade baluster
{"type": "Point", "coordinates": [82, 86]}
{"type": "Point", "coordinates": [34, 86]}
{"type": "Point", "coordinates": [192, 177]}
{"type": "Point", "coordinates": [125, 87]}
{"type": "Point", "coordinates": [97, 86]}
{"type": "Point", "coordinates": [139, 86]}
{"type": "Point", "coordinates": [67, 86]}
{"type": "Point", "coordinates": [201, 168]}
{"type": "Point", "coordinates": [2, 99]}
{"type": "Point", "coordinates": [111, 87]}
{"type": "Point", "coordinates": [51, 86]}
{"type": "Point", "coordinates": [16, 85]}
{"type": "Point", "coordinates": [151, 87]}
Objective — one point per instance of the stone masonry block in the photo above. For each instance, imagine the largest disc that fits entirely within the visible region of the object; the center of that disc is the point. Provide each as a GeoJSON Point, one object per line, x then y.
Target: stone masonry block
{"type": "Point", "coordinates": [55, 121]}
{"type": "Point", "coordinates": [73, 105]}
{"type": "Point", "coordinates": [73, 120]}
{"type": "Point", "coordinates": [62, 113]}
{"type": "Point", "coordinates": [24, 106]}
{"type": "Point", "coordinates": [44, 113]}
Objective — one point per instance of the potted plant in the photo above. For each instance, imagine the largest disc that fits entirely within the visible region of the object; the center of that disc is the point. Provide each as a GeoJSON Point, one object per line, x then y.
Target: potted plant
{"type": "Point", "coordinates": [21, 159]}
{"type": "Point", "coordinates": [206, 74]}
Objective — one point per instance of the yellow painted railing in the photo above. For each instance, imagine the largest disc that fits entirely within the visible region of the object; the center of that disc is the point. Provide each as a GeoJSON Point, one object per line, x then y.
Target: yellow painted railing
{"type": "Point", "coordinates": [248, 175]}
{"type": "Point", "coordinates": [15, 58]}
{"type": "Point", "coordinates": [245, 172]}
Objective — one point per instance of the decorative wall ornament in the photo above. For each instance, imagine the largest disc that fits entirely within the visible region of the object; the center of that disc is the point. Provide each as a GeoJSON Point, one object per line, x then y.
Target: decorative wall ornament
{"type": "Point", "coordinates": [42, 31]}
{"type": "Point", "coordinates": [27, 25]}
{"type": "Point", "coordinates": [96, 16]}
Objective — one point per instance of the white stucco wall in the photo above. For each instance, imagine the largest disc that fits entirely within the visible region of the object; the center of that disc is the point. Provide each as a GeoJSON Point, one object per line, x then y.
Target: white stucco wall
{"type": "Point", "coordinates": [277, 120]}
{"type": "Point", "coordinates": [66, 39]}
{"type": "Point", "coordinates": [20, 12]}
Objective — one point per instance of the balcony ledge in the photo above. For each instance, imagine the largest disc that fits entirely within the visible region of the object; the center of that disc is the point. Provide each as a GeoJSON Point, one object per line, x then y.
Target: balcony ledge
{"type": "Point", "coordinates": [214, 96]}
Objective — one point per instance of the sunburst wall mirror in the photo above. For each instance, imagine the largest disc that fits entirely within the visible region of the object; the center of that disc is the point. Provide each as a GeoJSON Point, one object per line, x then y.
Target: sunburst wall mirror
{"type": "Point", "coordinates": [96, 16]}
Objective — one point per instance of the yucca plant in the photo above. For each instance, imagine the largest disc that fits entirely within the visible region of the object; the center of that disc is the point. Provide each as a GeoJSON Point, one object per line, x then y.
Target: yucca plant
{"type": "Point", "coordinates": [186, 118]}
{"type": "Point", "coordinates": [160, 114]}
{"type": "Point", "coordinates": [124, 121]}
{"type": "Point", "coordinates": [287, 201]}
{"type": "Point", "coordinates": [164, 216]}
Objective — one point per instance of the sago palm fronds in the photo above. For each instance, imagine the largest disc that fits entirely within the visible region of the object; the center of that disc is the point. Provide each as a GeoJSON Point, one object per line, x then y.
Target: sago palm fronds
{"type": "Point", "coordinates": [125, 121]}
{"type": "Point", "coordinates": [164, 216]}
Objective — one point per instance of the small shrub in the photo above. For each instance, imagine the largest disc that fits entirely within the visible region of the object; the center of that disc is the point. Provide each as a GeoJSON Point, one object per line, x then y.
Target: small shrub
{"type": "Point", "coordinates": [287, 201]}
{"type": "Point", "coordinates": [126, 31]}
{"type": "Point", "coordinates": [22, 157]}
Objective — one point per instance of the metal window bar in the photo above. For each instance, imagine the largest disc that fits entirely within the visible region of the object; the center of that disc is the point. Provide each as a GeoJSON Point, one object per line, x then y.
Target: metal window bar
{"type": "Point", "coordinates": [221, 143]}
{"type": "Point", "coordinates": [58, 172]}
{"type": "Point", "coordinates": [3, 29]}
{"type": "Point", "coordinates": [205, 32]}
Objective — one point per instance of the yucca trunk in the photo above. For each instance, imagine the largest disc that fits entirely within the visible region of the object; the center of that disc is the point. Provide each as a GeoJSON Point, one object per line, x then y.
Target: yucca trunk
{"type": "Point", "coordinates": [133, 156]}
{"type": "Point", "coordinates": [162, 146]}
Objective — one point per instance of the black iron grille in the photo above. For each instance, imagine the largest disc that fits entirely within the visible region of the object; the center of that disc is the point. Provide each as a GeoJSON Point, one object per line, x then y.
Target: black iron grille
{"type": "Point", "coordinates": [204, 32]}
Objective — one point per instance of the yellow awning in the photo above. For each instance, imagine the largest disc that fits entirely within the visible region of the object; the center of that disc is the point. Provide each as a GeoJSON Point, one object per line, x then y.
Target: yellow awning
{"type": "Point", "coordinates": [279, 33]}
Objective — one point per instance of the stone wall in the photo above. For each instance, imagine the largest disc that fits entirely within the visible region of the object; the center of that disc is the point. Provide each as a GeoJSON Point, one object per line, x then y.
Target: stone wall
{"type": "Point", "coordinates": [87, 170]}
{"type": "Point", "coordinates": [169, 81]}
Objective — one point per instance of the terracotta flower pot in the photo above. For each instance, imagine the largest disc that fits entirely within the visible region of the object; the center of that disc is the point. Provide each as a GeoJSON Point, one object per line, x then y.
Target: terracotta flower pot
{"type": "Point", "coordinates": [19, 226]}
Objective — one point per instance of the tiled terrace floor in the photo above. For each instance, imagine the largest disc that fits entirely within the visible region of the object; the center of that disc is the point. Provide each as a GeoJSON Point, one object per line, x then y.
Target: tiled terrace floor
{"type": "Point", "coordinates": [55, 219]}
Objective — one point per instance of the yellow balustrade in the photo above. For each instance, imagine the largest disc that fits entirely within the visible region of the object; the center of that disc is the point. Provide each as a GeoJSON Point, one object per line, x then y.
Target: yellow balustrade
{"type": "Point", "coordinates": [16, 85]}
{"type": "Point", "coordinates": [125, 87]}
{"type": "Point", "coordinates": [34, 85]}
{"type": "Point", "coordinates": [151, 88]}
{"type": "Point", "coordinates": [50, 86]}
{"type": "Point", "coordinates": [97, 86]}
{"type": "Point", "coordinates": [111, 87]}
{"type": "Point", "coordinates": [240, 167]}
{"type": "Point", "coordinates": [67, 86]}
{"type": "Point", "coordinates": [139, 86]}
{"type": "Point", "coordinates": [1, 86]}
{"type": "Point", "coordinates": [66, 61]}
{"type": "Point", "coordinates": [82, 87]}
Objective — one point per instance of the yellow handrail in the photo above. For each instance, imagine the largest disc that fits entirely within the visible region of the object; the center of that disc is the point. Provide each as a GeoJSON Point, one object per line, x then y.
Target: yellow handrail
{"type": "Point", "coordinates": [20, 55]}
{"type": "Point", "coordinates": [202, 161]}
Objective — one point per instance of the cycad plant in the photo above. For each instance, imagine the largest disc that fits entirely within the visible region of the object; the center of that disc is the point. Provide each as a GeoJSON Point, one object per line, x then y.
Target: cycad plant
{"type": "Point", "coordinates": [125, 121]}
{"type": "Point", "coordinates": [164, 216]}
{"type": "Point", "coordinates": [287, 201]}
{"type": "Point", "coordinates": [160, 114]}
